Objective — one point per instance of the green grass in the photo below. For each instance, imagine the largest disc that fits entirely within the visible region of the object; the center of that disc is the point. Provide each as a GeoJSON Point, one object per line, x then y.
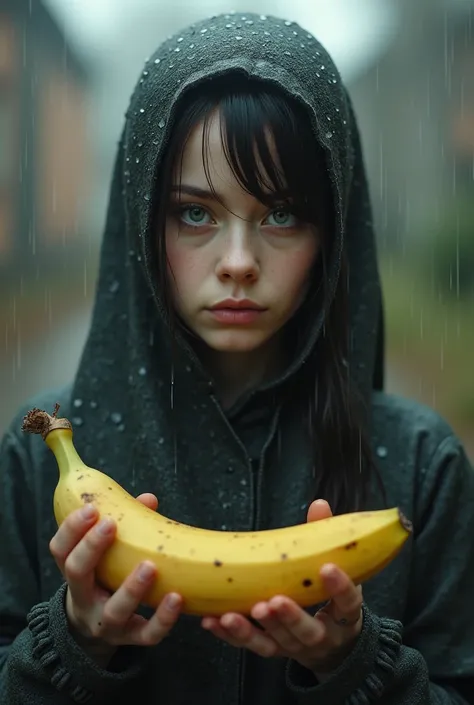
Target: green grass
{"type": "Point", "coordinates": [430, 336]}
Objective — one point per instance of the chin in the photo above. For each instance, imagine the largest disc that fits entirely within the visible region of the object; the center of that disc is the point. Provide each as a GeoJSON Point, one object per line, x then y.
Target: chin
{"type": "Point", "coordinates": [235, 340]}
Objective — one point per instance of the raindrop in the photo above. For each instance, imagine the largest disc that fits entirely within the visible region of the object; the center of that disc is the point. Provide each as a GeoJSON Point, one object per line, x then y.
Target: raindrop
{"type": "Point", "coordinates": [267, 34]}
{"type": "Point", "coordinates": [223, 527]}
{"type": "Point", "coordinates": [116, 417]}
{"type": "Point", "coordinates": [323, 67]}
{"type": "Point", "coordinates": [77, 421]}
{"type": "Point", "coordinates": [188, 368]}
{"type": "Point", "coordinates": [145, 73]}
{"type": "Point", "coordinates": [142, 110]}
{"type": "Point", "coordinates": [161, 124]}
{"type": "Point", "coordinates": [114, 287]}
{"type": "Point", "coordinates": [137, 160]}
{"type": "Point", "coordinates": [157, 61]}
{"type": "Point", "coordinates": [93, 404]}
{"type": "Point", "coordinates": [146, 197]}
{"type": "Point", "coordinates": [328, 135]}
{"type": "Point", "coordinates": [230, 469]}
{"type": "Point", "coordinates": [77, 403]}
{"type": "Point", "coordinates": [382, 452]}
{"type": "Point", "coordinates": [191, 46]}
{"type": "Point", "coordinates": [203, 31]}
{"type": "Point", "coordinates": [243, 482]}
{"type": "Point", "coordinates": [249, 22]}
{"type": "Point", "coordinates": [238, 37]}
{"type": "Point", "coordinates": [287, 53]}
{"type": "Point", "coordinates": [121, 428]}
{"type": "Point", "coordinates": [180, 39]}
{"type": "Point", "coordinates": [177, 49]}
{"type": "Point", "coordinates": [263, 17]}
{"type": "Point", "coordinates": [334, 80]}
{"type": "Point", "coordinates": [142, 371]}
{"type": "Point", "coordinates": [288, 23]}
{"type": "Point", "coordinates": [228, 26]}
{"type": "Point", "coordinates": [161, 441]}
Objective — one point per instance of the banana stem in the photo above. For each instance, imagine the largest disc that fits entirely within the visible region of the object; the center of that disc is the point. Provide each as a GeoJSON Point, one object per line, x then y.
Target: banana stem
{"type": "Point", "coordinates": [57, 434]}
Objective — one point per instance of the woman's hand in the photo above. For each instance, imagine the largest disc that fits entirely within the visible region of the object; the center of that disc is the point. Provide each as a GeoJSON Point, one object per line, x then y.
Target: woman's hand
{"type": "Point", "coordinates": [99, 621]}
{"type": "Point", "coordinates": [320, 642]}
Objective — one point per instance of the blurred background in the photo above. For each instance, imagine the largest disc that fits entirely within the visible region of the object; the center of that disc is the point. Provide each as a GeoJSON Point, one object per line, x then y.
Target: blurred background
{"type": "Point", "coordinates": [67, 68]}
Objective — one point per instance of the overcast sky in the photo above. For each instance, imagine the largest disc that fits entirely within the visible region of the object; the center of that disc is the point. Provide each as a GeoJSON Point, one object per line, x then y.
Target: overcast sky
{"type": "Point", "coordinates": [354, 31]}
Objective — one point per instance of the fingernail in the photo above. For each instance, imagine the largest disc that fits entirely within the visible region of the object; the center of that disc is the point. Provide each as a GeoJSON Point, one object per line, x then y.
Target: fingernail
{"type": "Point", "coordinates": [105, 526]}
{"type": "Point", "coordinates": [172, 601]}
{"type": "Point", "coordinates": [88, 511]}
{"type": "Point", "coordinates": [329, 573]}
{"type": "Point", "coordinates": [145, 572]}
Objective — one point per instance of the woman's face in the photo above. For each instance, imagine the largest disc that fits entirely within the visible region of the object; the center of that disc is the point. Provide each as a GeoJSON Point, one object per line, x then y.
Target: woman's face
{"type": "Point", "coordinates": [238, 270]}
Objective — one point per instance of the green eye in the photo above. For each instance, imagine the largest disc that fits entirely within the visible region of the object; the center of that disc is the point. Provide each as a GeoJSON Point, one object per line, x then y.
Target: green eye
{"type": "Point", "coordinates": [195, 215]}
{"type": "Point", "coordinates": [282, 218]}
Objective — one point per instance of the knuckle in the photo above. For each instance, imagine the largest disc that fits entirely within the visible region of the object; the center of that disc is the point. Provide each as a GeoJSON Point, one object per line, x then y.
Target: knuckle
{"type": "Point", "coordinates": [73, 570]}
{"type": "Point", "coordinates": [110, 619]}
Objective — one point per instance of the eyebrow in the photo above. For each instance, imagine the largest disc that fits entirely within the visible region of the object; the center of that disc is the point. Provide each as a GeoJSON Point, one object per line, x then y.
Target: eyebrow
{"type": "Point", "coordinates": [194, 191]}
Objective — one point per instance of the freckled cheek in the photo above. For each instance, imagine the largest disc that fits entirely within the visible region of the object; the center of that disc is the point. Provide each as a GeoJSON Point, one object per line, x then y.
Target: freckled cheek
{"type": "Point", "coordinates": [184, 268]}
{"type": "Point", "coordinates": [294, 270]}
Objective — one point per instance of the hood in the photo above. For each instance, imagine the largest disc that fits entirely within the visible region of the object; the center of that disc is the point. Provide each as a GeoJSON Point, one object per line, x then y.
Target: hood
{"type": "Point", "coordinates": [129, 377]}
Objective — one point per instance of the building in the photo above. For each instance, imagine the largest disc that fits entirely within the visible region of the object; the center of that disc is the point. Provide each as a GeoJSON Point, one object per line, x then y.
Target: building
{"type": "Point", "coordinates": [44, 151]}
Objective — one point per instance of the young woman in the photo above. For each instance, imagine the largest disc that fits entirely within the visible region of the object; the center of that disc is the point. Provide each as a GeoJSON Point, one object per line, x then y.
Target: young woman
{"type": "Point", "coordinates": [233, 369]}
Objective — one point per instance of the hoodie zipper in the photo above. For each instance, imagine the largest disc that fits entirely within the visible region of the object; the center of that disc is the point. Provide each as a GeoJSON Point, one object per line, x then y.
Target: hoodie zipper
{"type": "Point", "coordinates": [257, 478]}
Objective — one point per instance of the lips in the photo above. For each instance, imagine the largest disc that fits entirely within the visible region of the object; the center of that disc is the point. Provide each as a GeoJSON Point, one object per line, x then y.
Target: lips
{"type": "Point", "coordinates": [236, 312]}
{"type": "Point", "coordinates": [237, 305]}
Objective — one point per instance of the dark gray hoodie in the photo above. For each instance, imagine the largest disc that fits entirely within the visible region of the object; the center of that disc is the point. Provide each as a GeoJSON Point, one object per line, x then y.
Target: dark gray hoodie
{"type": "Point", "coordinates": [152, 421]}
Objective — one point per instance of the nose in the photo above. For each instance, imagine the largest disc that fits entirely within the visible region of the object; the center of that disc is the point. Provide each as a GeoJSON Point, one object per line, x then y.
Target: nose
{"type": "Point", "coordinates": [239, 261]}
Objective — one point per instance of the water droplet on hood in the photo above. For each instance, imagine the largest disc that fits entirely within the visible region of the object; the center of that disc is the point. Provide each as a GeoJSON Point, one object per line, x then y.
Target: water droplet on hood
{"type": "Point", "coordinates": [238, 37]}
{"type": "Point", "coordinates": [142, 110]}
{"type": "Point", "coordinates": [161, 124]}
{"type": "Point", "coordinates": [116, 417]}
{"type": "Point", "coordinates": [288, 23]}
{"type": "Point", "coordinates": [228, 26]}
{"type": "Point", "coordinates": [180, 39]}
{"type": "Point", "coordinates": [77, 403]}
{"type": "Point", "coordinates": [157, 61]}
{"type": "Point", "coordinates": [145, 73]}
{"type": "Point", "coordinates": [382, 452]}
{"type": "Point", "coordinates": [203, 31]}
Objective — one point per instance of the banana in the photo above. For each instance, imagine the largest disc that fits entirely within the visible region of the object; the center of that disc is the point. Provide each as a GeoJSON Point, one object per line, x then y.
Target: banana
{"type": "Point", "coordinates": [216, 571]}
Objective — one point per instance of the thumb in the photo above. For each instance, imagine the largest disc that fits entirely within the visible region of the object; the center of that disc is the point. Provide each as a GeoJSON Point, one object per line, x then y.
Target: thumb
{"type": "Point", "coordinates": [319, 509]}
{"type": "Point", "coordinates": [149, 500]}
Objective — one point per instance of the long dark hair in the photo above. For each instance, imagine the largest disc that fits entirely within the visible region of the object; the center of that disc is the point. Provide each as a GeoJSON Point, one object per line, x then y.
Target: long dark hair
{"type": "Point", "coordinates": [342, 453]}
